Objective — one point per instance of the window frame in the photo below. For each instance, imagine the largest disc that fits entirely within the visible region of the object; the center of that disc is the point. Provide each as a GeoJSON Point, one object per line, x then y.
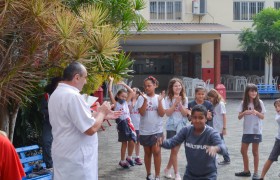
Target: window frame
{"type": "Point", "coordinates": [245, 10]}
{"type": "Point", "coordinates": [276, 4]}
{"type": "Point", "coordinates": [166, 9]}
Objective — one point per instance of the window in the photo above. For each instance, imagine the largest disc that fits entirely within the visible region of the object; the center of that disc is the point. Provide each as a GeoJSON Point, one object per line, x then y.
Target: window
{"type": "Point", "coordinates": [245, 63]}
{"type": "Point", "coordinates": [277, 5]}
{"type": "Point", "coordinates": [165, 10]}
{"type": "Point", "coordinates": [246, 10]}
{"type": "Point", "coordinates": [153, 63]}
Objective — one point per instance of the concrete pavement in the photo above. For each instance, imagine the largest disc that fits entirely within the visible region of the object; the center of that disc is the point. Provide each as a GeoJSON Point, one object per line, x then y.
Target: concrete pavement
{"type": "Point", "coordinates": [109, 150]}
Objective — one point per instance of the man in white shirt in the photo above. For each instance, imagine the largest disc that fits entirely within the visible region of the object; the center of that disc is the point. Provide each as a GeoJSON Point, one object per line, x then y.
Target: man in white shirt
{"type": "Point", "coordinates": [74, 127]}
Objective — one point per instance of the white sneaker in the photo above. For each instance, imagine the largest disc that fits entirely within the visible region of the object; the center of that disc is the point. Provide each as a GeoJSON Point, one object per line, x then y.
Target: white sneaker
{"type": "Point", "coordinates": [157, 178]}
{"type": "Point", "coordinates": [178, 177]}
{"type": "Point", "coordinates": [167, 174]}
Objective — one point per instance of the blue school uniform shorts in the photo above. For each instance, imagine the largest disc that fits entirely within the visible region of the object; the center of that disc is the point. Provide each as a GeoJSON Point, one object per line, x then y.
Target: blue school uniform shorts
{"type": "Point", "coordinates": [251, 138]}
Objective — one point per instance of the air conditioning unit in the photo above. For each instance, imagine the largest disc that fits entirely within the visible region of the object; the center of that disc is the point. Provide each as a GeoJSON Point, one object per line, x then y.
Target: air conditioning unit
{"type": "Point", "coordinates": [199, 7]}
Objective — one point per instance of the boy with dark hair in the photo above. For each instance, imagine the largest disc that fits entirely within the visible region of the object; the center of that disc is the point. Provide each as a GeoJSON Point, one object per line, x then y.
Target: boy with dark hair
{"type": "Point", "coordinates": [202, 143]}
{"type": "Point", "coordinates": [275, 152]}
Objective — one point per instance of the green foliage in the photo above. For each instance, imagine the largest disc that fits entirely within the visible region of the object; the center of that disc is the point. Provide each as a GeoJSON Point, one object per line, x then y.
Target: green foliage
{"type": "Point", "coordinates": [264, 36]}
{"type": "Point", "coordinates": [38, 38]}
{"type": "Point", "coordinates": [123, 14]}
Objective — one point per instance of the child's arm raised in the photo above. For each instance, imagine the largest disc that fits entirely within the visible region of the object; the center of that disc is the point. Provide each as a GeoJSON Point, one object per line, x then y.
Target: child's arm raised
{"type": "Point", "coordinates": [110, 90]}
{"type": "Point", "coordinates": [129, 90]}
{"type": "Point", "coordinates": [161, 110]}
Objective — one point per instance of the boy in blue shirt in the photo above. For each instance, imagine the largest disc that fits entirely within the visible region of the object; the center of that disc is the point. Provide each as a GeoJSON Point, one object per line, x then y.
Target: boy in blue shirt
{"type": "Point", "coordinates": [202, 143]}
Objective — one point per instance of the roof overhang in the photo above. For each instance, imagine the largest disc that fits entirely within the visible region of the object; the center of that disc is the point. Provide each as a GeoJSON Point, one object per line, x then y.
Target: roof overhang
{"type": "Point", "coordinates": [176, 34]}
{"type": "Point", "coordinates": [186, 28]}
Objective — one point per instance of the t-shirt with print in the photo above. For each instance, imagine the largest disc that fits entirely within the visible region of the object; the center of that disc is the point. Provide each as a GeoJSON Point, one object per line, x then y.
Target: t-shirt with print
{"type": "Point", "coordinates": [134, 115]}
{"type": "Point", "coordinates": [176, 117]}
{"type": "Point", "coordinates": [277, 118]}
{"type": "Point", "coordinates": [151, 122]}
{"type": "Point", "coordinates": [124, 109]}
{"type": "Point", "coordinates": [218, 112]}
{"type": "Point", "coordinates": [252, 124]}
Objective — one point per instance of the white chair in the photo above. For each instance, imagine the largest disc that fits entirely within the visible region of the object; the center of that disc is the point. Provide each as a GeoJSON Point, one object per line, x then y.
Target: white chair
{"type": "Point", "coordinates": [230, 83]}
{"type": "Point", "coordinates": [275, 80]}
{"type": "Point", "coordinates": [207, 84]}
{"type": "Point", "coordinates": [241, 84]}
{"type": "Point", "coordinates": [188, 86]}
{"type": "Point", "coordinates": [195, 83]}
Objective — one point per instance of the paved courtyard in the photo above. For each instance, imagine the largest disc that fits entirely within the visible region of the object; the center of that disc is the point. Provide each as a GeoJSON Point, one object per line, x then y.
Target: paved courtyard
{"type": "Point", "coordinates": [109, 150]}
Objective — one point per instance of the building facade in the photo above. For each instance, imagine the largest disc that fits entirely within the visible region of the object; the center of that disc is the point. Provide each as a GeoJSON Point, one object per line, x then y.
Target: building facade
{"type": "Point", "coordinates": [195, 38]}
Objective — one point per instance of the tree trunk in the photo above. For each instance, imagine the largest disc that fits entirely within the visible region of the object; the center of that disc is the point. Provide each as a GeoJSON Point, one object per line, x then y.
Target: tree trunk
{"type": "Point", "coordinates": [8, 118]}
{"type": "Point", "coordinates": [268, 69]}
{"type": "Point", "coordinates": [4, 118]}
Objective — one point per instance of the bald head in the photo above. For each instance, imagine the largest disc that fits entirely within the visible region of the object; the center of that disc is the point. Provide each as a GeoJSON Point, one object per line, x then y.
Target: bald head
{"type": "Point", "coordinates": [72, 69]}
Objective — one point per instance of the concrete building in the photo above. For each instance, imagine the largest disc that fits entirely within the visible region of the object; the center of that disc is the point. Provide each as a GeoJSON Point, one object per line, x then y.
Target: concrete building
{"type": "Point", "coordinates": [195, 38]}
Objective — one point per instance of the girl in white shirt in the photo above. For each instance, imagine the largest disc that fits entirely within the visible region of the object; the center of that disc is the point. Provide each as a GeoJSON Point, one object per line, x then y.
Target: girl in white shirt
{"type": "Point", "coordinates": [176, 104]}
{"type": "Point", "coordinates": [135, 117]}
{"type": "Point", "coordinates": [219, 118]}
{"type": "Point", "coordinates": [151, 109]}
{"type": "Point", "coordinates": [126, 131]}
{"type": "Point", "coordinates": [252, 109]}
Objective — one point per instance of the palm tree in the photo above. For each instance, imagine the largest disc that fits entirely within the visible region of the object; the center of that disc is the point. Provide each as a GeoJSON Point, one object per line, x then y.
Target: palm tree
{"type": "Point", "coordinates": [38, 38]}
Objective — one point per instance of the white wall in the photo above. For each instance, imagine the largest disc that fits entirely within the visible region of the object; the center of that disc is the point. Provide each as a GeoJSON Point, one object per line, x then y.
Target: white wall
{"type": "Point", "coordinates": [219, 11]}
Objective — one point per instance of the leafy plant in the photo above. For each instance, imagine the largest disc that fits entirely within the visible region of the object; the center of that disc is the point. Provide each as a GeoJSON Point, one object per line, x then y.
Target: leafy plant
{"type": "Point", "coordinates": [38, 38]}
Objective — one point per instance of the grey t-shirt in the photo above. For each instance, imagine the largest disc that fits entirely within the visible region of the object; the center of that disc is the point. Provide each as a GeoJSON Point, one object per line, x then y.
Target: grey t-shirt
{"type": "Point", "coordinates": [252, 124]}
{"type": "Point", "coordinates": [200, 165]}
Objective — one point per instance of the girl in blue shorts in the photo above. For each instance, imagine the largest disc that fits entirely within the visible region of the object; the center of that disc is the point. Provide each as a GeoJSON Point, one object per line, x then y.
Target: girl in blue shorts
{"type": "Point", "coordinates": [126, 131]}
{"type": "Point", "coordinates": [151, 109]}
{"type": "Point", "coordinates": [252, 110]}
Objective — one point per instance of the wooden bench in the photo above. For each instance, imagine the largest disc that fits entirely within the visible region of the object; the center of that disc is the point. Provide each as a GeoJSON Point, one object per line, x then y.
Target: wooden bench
{"type": "Point", "coordinates": [30, 161]}
{"type": "Point", "coordinates": [267, 89]}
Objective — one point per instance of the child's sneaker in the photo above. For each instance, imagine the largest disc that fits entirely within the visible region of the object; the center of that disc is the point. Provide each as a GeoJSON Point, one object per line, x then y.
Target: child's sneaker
{"type": "Point", "coordinates": [137, 161]}
{"type": "Point", "coordinates": [167, 173]}
{"type": "Point", "coordinates": [157, 178]}
{"type": "Point", "coordinates": [130, 161]}
{"type": "Point", "coordinates": [224, 162]}
{"type": "Point", "coordinates": [243, 174]}
{"type": "Point", "coordinates": [255, 176]}
{"type": "Point", "coordinates": [125, 165]}
{"type": "Point", "coordinates": [178, 177]}
{"type": "Point", "coordinates": [150, 177]}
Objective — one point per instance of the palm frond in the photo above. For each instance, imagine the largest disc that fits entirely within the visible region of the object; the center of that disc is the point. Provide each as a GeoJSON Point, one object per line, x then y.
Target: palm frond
{"type": "Point", "coordinates": [93, 16]}
{"type": "Point", "coordinates": [104, 41]}
{"type": "Point", "coordinates": [67, 26]}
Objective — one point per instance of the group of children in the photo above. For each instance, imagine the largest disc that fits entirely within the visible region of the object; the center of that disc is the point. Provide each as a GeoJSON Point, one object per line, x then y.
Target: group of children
{"type": "Point", "coordinates": [142, 122]}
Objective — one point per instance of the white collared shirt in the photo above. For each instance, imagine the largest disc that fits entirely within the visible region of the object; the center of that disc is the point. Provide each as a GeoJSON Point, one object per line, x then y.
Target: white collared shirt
{"type": "Point", "coordinates": [75, 154]}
